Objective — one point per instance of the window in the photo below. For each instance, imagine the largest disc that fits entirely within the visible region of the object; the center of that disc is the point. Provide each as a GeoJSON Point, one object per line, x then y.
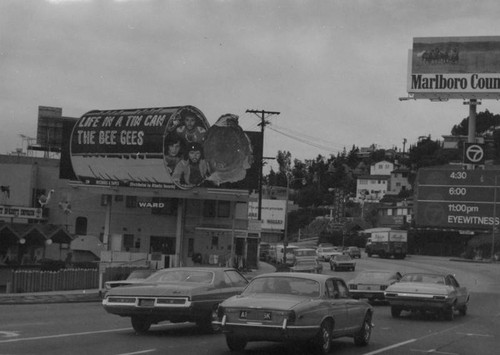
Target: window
{"type": "Point", "coordinates": [235, 278]}
{"type": "Point", "coordinates": [342, 288]}
{"type": "Point", "coordinates": [81, 225]}
{"type": "Point", "coordinates": [128, 241]}
{"type": "Point", "coordinates": [104, 199]}
{"type": "Point", "coordinates": [118, 198]}
{"type": "Point", "coordinates": [212, 209]}
{"type": "Point", "coordinates": [223, 209]}
{"type": "Point", "coordinates": [209, 208]}
{"type": "Point", "coordinates": [131, 201]}
{"type": "Point", "coordinates": [330, 289]}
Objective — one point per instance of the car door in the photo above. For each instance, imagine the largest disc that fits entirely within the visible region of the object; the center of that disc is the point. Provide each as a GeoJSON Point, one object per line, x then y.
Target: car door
{"type": "Point", "coordinates": [338, 307]}
{"type": "Point", "coordinates": [461, 291]}
{"type": "Point", "coordinates": [355, 309]}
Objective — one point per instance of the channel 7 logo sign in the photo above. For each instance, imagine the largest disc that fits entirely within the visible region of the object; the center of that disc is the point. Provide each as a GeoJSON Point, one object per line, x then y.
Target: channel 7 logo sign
{"type": "Point", "coordinates": [474, 153]}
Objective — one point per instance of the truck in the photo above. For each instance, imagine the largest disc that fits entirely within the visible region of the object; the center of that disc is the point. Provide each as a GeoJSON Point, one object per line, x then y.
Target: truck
{"type": "Point", "coordinates": [387, 243]}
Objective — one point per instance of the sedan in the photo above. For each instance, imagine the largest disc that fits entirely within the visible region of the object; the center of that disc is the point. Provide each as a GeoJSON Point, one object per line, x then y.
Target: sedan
{"type": "Point", "coordinates": [307, 265]}
{"type": "Point", "coordinates": [291, 307]}
{"type": "Point", "coordinates": [189, 294]}
{"type": "Point", "coordinates": [372, 284]}
{"type": "Point", "coordinates": [342, 262]}
{"type": "Point", "coordinates": [428, 292]}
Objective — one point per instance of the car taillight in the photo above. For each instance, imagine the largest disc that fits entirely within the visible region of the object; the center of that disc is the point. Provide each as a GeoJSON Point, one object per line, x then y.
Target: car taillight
{"type": "Point", "coordinates": [220, 312]}
{"type": "Point", "coordinates": [290, 316]}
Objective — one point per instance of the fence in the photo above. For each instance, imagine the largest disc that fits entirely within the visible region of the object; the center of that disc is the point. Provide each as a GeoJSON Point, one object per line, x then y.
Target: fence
{"type": "Point", "coordinates": [64, 279]}
{"type": "Point", "coordinates": [22, 281]}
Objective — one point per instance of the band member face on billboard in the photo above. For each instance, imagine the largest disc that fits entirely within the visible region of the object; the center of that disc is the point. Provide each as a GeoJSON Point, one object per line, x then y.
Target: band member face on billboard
{"type": "Point", "coordinates": [194, 156]}
{"type": "Point", "coordinates": [174, 148]}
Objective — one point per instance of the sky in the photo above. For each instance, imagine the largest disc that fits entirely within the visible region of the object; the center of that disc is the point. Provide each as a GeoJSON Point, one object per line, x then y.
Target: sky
{"type": "Point", "coordinates": [334, 70]}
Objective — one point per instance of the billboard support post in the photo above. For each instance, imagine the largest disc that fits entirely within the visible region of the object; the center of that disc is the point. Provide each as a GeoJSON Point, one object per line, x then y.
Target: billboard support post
{"type": "Point", "coordinates": [471, 137]}
{"type": "Point", "coordinates": [494, 220]}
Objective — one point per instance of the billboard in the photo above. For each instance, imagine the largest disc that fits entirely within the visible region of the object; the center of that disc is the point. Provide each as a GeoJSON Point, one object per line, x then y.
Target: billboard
{"type": "Point", "coordinates": [455, 67]}
{"type": "Point", "coordinates": [165, 147]}
{"type": "Point", "coordinates": [49, 128]}
{"type": "Point", "coordinates": [461, 199]}
{"type": "Point", "coordinates": [272, 213]}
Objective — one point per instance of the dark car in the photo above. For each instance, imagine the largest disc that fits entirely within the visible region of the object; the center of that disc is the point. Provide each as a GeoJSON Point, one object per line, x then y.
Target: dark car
{"type": "Point", "coordinates": [342, 262]}
{"type": "Point", "coordinates": [189, 294]}
{"type": "Point", "coordinates": [353, 252]}
{"type": "Point", "coordinates": [295, 307]}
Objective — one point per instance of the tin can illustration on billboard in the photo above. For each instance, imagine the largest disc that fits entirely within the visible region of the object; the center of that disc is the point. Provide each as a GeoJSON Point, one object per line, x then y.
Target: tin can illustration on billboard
{"type": "Point", "coordinates": [159, 147]}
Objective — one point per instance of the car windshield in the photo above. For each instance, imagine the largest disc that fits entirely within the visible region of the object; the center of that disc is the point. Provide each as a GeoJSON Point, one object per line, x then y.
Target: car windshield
{"type": "Point", "coordinates": [199, 276]}
{"type": "Point", "coordinates": [424, 278]}
{"type": "Point", "coordinates": [305, 253]}
{"type": "Point", "coordinates": [328, 250]}
{"type": "Point", "coordinates": [376, 276]}
{"type": "Point", "coordinates": [342, 257]}
{"type": "Point", "coordinates": [283, 285]}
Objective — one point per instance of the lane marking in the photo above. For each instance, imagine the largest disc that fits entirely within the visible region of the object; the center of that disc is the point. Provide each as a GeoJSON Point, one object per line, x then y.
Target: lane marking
{"type": "Point", "coordinates": [64, 335]}
{"type": "Point", "coordinates": [139, 352]}
{"type": "Point", "coordinates": [475, 335]}
{"type": "Point", "coordinates": [391, 347]}
{"type": "Point", "coordinates": [433, 351]}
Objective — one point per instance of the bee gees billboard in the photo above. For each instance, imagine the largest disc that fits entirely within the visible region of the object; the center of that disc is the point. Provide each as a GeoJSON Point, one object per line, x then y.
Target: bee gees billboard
{"type": "Point", "coordinates": [455, 67]}
{"type": "Point", "coordinates": [165, 147]}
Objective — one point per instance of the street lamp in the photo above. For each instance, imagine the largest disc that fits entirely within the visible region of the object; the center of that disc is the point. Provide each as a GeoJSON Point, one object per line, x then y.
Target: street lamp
{"type": "Point", "coordinates": [285, 239]}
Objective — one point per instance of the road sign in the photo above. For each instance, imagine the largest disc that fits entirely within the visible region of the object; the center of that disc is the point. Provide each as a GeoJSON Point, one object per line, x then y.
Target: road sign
{"type": "Point", "coordinates": [474, 153]}
{"type": "Point", "coordinates": [462, 199]}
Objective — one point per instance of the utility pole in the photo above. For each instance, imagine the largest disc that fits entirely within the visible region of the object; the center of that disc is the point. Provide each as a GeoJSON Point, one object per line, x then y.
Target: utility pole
{"type": "Point", "coordinates": [263, 122]}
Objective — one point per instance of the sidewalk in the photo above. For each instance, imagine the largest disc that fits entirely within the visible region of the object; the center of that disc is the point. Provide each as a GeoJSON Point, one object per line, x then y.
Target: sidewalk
{"type": "Point", "coordinates": [93, 295]}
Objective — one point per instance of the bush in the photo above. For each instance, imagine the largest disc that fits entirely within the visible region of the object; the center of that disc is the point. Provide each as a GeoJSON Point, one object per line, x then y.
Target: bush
{"type": "Point", "coordinates": [51, 265]}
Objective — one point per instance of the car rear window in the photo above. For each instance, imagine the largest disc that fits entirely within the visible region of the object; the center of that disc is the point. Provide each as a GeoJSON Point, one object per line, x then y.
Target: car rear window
{"type": "Point", "coordinates": [195, 276]}
{"type": "Point", "coordinates": [283, 285]}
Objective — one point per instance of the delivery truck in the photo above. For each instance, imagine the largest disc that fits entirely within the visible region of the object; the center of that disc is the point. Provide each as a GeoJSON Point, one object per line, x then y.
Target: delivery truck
{"type": "Point", "coordinates": [387, 243]}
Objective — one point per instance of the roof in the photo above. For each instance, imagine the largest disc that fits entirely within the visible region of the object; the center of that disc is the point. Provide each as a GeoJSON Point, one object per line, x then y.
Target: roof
{"type": "Point", "coordinates": [57, 234]}
{"type": "Point", "coordinates": [374, 177]}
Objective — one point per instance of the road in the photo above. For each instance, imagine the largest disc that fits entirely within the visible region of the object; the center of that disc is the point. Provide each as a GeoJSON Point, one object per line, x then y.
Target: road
{"type": "Point", "coordinates": [84, 328]}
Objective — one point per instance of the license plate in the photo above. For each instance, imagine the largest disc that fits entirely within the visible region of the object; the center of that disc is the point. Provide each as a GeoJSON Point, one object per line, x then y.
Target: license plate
{"type": "Point", "coordinates": [146, 303]}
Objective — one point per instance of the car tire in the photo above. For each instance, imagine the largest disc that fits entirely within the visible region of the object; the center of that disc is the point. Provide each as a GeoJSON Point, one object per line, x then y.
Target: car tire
{"type": "Point", "coordinates": [206, 325]}
{"type": "Point", "coordinates": [323, 340]}
{"type": "Point", "coordinates": [362, 338]}
{"type": "Point", "coordinates": [463, 310]}
{"type": "Point", "coordinates": [449, 313]}
{"type": "Point", "coordinates": [395, 312]}
{"type": "Point", "coordinates": [235, 343]}
{"type": "Point", "coordinates": [140, 324]}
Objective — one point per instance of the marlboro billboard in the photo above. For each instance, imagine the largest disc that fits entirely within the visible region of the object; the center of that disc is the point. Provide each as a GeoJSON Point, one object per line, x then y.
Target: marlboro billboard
{"type": "Point", "coordinates": [166, 147]}
{"type": "Point", "coordinates": [454, 67]}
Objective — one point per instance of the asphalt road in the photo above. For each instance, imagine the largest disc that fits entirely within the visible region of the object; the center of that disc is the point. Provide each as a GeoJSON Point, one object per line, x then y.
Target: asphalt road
{"type": "Point", "coordinates": [84, 328]}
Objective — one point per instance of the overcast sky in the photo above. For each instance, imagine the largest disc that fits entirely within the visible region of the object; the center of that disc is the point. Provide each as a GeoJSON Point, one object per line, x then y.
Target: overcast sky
{"type": "Point", "coordinates": [333, 69]}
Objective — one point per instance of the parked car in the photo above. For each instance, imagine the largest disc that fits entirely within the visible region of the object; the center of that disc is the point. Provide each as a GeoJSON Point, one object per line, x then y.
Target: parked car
{"type": "Point", "coordinates": [342, 262]}
{"type": "Point", "coordinates": [353, 252]}
{"type": "Point", "coordinates": [188, 294]}
{"type": "Point", "coordinates": [136, 276]}
{"type": "Point", "coordinates": [325, 253]}
{"type": "Point", "coordinates": [291, 307]}
{"type": "Point", "coordinates": [264, 251]}
{"type": "Point", "coordinates": [290, 256]}
{"type": "Point", "coordinates": [307, 265]}
{"type": "Point", "coordinates": [372, 284]}
{"type": "Point", "coordinates": [428, 292]}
